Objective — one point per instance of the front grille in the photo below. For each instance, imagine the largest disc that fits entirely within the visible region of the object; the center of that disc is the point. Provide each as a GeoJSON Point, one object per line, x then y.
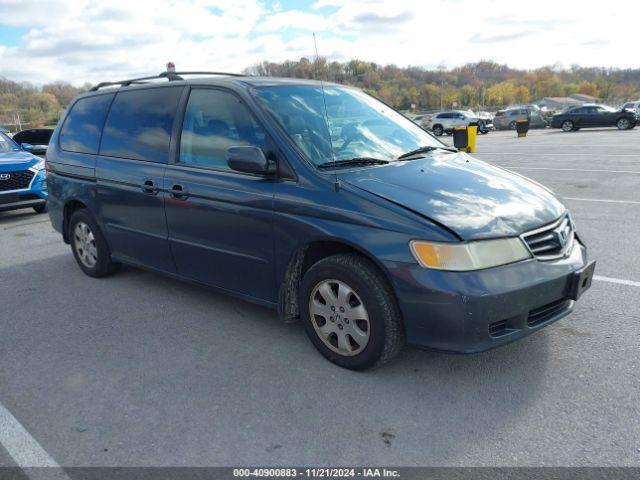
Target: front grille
{"type": "Point", "coordinates": [16, 180]}
{"type": "Point", "coordinates": [542, 314]}
{"type": "Point", "coordinates": [551, 241]}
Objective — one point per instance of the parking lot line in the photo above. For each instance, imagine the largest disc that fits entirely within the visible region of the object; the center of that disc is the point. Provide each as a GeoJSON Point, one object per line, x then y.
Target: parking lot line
{"type": "Point", "coordinates": [570, 169]}
{"type": "Point", "coordinates": [25, 450]}
{"type": "Point", "coordinates": [603, 200]}
{"type": "Point", "coordinates": [617, 280]}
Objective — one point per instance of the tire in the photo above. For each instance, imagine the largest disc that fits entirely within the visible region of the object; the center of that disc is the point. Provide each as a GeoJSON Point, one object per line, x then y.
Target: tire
{"type": "Point", "coordinates": [348, 284]}
{"type": "Point", "coordinates": [512, 125]}
{"type": "Point", "coordinates": [89, 246]}
{"type": "Point", "coordinates": [623, 123]}
{"type": "Point", "coordinates": [567, 126]}
{"type": "Point", "coordinates": [438, 130]}
{"type": "Point", "coordinates": [42, 208]}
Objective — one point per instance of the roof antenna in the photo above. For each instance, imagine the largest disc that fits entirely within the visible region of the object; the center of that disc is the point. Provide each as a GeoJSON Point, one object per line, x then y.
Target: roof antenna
{"type": "Point", "coordinates": [326, 114]}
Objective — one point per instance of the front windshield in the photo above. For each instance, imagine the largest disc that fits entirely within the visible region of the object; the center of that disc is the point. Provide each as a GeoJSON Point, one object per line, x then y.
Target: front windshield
{"type": "Point", "coordinates": [6, 144]}
{"type": "Point", "coordinates": [360, 126]}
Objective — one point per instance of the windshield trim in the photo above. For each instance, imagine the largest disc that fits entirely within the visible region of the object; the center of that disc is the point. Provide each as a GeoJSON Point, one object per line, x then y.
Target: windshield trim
{"type": "Point", "coordinates": [326, 169]}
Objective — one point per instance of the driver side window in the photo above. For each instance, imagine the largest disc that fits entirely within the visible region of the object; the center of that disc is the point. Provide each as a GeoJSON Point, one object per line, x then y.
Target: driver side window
{"type": "Point", "coordinates": [214, 121]}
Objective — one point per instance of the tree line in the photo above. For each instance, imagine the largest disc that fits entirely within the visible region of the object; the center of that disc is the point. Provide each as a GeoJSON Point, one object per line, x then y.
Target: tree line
{"type": "Point", "coordinates": [30, 106]}
{"type": "Point", "coordinates": [473, 85]}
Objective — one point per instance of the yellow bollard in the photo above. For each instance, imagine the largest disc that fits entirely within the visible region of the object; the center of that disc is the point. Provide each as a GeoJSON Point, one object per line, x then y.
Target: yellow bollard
{"type": "Point", "coordinates": [522, 127]}
{"type": "Point", "coordinates": [464, 138]}
{"type": "Point", "coordinates": [472, 134]}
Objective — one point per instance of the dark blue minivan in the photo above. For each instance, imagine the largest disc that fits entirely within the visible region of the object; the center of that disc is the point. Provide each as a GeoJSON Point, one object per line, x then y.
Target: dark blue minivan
{"type": "Point", "coordinates": [318, 200]}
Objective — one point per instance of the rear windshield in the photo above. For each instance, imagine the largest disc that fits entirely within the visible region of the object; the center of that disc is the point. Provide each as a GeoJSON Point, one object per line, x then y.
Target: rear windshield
{"type": "Point", "coordinates": [139, 124]}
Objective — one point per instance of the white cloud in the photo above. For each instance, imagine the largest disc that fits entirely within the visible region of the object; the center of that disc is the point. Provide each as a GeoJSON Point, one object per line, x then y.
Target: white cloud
{"type": "Point", "coordinates": [293, 19]}
{"type": "Point", "coordinates": [80, 40]}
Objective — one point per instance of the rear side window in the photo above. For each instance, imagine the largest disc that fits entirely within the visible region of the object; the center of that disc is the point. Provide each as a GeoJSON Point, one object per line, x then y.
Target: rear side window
{"type": "Point", "coordinates": [214, 121]}
{"type": "Point", "coordinates": [83, 125]}
{"type": "Point", "coordinates": [139, 124]}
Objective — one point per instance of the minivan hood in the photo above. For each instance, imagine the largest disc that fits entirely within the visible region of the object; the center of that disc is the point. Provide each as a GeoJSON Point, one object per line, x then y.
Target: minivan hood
{"type": "Point", "coordinates": [472, 198]}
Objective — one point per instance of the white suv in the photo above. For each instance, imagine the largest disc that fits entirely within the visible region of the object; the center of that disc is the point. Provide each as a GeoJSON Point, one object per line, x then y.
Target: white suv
{"type": "Point", "coordinates": [635, 106]}
{"type": "Point", "coordinates": [445, 122]}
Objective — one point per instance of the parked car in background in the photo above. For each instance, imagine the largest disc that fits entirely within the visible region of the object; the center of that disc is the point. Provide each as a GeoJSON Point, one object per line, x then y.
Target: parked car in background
{"type": "Point", "coordinates": [445, 122]}
{"type": "Point", "coordinates": [634, 106]}
{"type": "Point", "coordinates": [587, 116]}
{"type": "Point", "coordinates": [373, 237]}
{"type": "Point", "coordinates": [34, 140]}
{"type": "Point", "coordinates": [507, 119]}
{"type": "Point", "coordinates": [22, 178]}
{"type": "Point", "coordinates": [421, 118]}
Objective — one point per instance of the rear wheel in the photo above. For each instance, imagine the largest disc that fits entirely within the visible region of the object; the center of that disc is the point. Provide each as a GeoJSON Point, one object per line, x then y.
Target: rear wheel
{"type": "Point", "coordinates": [512, 125]}
{"type": "Point", "coordinates": [567, 126]}
{"type": "Point", "coordinates": [623, 124]}
{"type": "Point", "coordinates": [89, 246]}
{"type": "Point", "coordinates": [437, 130]}
{"type": "Point", "coordinates": [350, 313]}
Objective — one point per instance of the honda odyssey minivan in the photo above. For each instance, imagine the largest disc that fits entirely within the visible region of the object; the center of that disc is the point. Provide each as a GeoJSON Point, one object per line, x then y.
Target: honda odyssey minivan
{"type": "Point", "coordinates": [319, 201]}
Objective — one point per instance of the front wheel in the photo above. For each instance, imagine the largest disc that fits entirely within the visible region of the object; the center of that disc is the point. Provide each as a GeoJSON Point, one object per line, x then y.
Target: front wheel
{"type": "Point", "coordinates": [623, 124]}
{"type": "Point", "coordinates": [89, 246]}
{"type": "Point", "coordinates": [42, 208]}
{"type": "Point", "coordinates": [350, 313]}
{"type": "Point", "coordinates": [567, 126]}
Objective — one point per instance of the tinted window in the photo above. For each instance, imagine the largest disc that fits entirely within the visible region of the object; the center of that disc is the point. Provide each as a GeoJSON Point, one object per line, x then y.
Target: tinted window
{"type": "Point", "coordinates": [444, 115]}
{"type": "Point", "coordinates": [83, 126]}
{"type": "Point", "coordinates": [214, 121]}
{"type": "Point", "coordinates": [139, 124]}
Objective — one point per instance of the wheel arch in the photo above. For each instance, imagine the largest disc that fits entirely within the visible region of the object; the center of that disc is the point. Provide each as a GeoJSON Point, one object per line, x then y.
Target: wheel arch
{"type": "Point", "coordinates": [70, 207]}
{"type": "Point", "coordinates": [303, 258]}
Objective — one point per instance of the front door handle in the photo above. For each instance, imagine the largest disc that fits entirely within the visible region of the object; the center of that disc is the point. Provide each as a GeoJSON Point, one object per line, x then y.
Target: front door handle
{"type": "Point", "coordinates": [179, 192]}
{"type": "Point", "coordinates": [150, 187]}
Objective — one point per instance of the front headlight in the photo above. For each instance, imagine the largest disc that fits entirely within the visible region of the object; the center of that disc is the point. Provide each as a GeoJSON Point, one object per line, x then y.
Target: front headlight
{"type": "Point", "coordinates": [476, 255]}
{"type": "Point", "coordinates": [39, 165]}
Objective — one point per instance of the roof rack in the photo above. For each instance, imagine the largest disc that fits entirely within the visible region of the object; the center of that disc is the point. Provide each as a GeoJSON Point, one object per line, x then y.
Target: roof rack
{"type": "Point", "coordinates": [171, 76]}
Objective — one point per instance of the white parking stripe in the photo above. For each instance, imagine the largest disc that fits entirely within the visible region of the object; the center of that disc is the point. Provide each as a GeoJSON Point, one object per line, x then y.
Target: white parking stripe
{"type": "Point", "coordinates": [603, 200]}
{"type": "Point", "coordinates": [569, 169]}
{"type": "Point", "coordinates": [617, 280]}
{"type": "Point", "coordinates": [25, 450]}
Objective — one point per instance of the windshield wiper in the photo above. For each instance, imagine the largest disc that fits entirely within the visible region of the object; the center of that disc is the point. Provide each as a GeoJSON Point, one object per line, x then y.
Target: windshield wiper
{"type": "Point", "coordinates": [354, 161]}
{"type": "Point", "coordinates": [425, 150]}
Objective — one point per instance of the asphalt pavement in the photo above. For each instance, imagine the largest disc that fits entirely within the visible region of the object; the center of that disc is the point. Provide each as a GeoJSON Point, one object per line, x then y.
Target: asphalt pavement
{"type": "Point", "coordinates": [142, 370]}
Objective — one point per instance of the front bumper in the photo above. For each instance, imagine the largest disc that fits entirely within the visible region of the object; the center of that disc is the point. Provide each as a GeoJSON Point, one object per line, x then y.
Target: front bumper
{"type": "Point", "coordinates": [474, 311]}
{"type": "Point", "coordinates": [34, 195]}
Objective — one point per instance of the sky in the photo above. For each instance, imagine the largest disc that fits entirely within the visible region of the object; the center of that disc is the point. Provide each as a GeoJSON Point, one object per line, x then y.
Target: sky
{"type": "Point", "coordinates": [90, 41]}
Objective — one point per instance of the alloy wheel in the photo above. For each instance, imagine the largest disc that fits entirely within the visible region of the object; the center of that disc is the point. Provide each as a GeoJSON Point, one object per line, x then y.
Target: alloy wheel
{"type": "Point", "coordinates": [567, 126]}
{"type": "Point", "coordinates": [85, 245]}
{"type": "Point", "coordinates": [339, 317]}
{"type": "Point", "coordinates": [623, 124]}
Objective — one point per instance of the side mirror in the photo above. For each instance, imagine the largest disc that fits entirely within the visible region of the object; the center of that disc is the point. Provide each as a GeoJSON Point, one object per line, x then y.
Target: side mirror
{"type": "Point", "coordinates": [249, 160]}
{"type": "Point", "coordinates": [27, 147]}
